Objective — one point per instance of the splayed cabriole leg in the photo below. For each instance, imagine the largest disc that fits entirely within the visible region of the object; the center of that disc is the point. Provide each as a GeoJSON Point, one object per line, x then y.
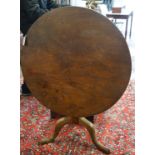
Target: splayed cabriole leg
{"type": "Point", "coordinates": [83, 121]}
{"type": "Point", "coordinates": [60, 123]}
{"type": "Point", "coordinates": [90, 127]}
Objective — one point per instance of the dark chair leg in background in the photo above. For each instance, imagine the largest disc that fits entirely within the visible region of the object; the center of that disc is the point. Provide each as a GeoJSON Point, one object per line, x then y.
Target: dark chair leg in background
{"type": "Point", "coordinates": [54, 115]}
{"type": "Point", "coordinates": [91, 118]}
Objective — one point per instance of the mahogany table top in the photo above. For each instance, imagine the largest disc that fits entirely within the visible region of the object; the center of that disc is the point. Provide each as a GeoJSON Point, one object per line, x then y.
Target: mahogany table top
{"type": "Point", "coordinates": [76, 62]}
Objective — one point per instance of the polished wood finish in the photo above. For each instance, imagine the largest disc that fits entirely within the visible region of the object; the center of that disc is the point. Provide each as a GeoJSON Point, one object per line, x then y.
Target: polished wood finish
{"type": "Point", "coordinates": [76, 62]}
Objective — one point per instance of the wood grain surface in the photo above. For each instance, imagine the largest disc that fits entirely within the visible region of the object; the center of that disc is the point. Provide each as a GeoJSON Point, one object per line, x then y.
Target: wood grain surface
{"type": "Point", "coordinates": [76, 62]}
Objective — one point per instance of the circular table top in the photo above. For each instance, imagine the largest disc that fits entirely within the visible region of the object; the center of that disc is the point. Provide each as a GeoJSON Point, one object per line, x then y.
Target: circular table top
{"type": "Point", "coordinates": [76, 62]}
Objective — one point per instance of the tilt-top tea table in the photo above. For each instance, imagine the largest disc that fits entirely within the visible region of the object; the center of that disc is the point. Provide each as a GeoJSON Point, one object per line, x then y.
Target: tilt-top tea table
{"type": "Point", "coordinates": [76, 63]}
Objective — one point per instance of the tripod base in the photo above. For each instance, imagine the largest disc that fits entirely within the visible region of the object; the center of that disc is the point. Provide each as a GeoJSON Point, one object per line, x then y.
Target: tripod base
{"type": "Point", "coordinates": [77, 120]}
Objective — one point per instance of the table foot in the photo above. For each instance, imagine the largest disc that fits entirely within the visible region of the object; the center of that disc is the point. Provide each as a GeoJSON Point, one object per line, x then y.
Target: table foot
{"type": "Point", "coordinates": [90, 127]}
{"type": "Point", "coordinates": [60, 123]}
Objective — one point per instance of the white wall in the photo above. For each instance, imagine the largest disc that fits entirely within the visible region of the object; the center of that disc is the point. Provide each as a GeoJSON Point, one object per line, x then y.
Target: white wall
{"type": "Point", "coordinates": [78, 3]}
